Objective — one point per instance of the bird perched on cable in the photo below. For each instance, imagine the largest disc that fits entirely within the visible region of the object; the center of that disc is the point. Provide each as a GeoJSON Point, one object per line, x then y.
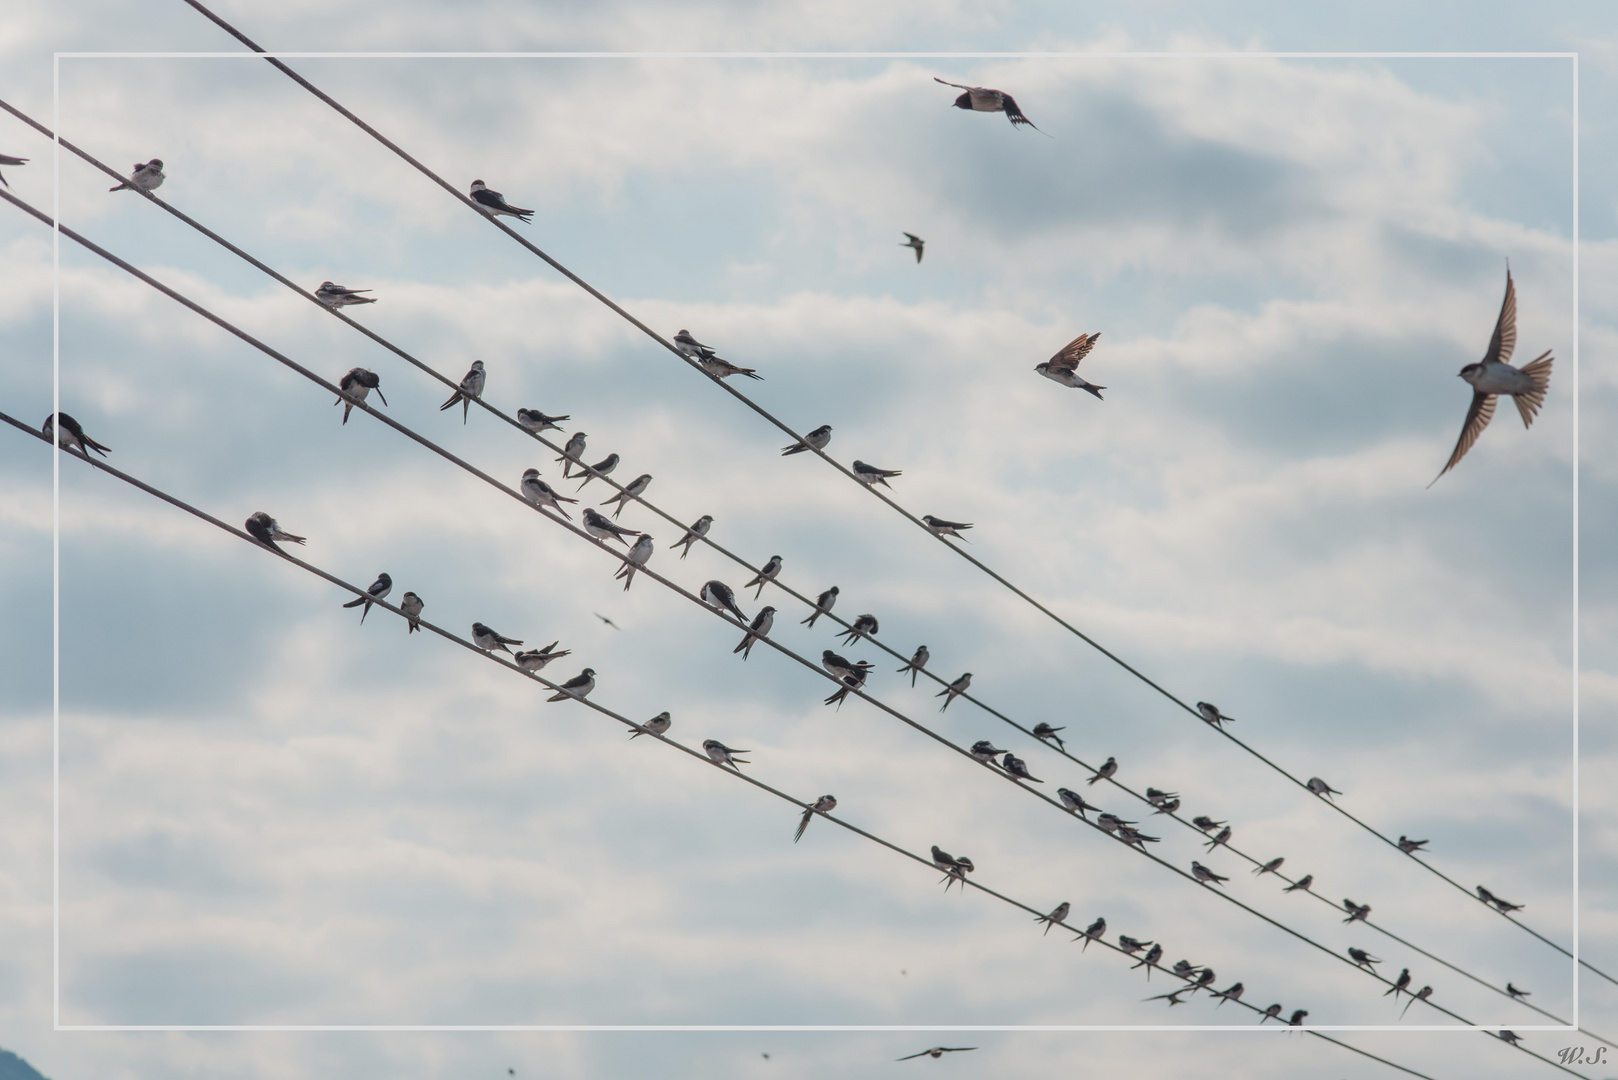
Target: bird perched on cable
{"type": "Point", "coordinates": [1297, 1017]}
{"type": "Point", "coordinates": [915, 242]}
{"type": "Point", "coordinates": [1136, 837]}
{"type": "Point", "coordinates": [1504, 905]}
{"type": "Point", "coordinates": [1204, 980]}
{"type": "Point", "coordinates": [1321, 788]}
{"type": "Point", "coordinates": [1302, 883]}
{"type": "Point", "coordinates": [471, 387]}
{"type": "Point", "coordinates": [634, 490]}
{"type": "Point", "coordinates": [760, 627]}
{"type": "Point", "coordinates": [1402, 983]}
{"type": "Point", "coordinates": [939, 527]}
{"type": "Point", "coordinates": [1093, 932]}
{"type": "Point", "coordinates": [953, 869]}
{"type": "Point", "coordinates": [983, 99]}
{"type": "Point", "coordinates": [379, 590]}
{"type": "Point", "coordinates": [870, 474]}
{"type": "Point", "coordinates": [1211, 714]}
{"type": "Point", "coordinates": [1361, 957]}
{"type": "Point", "coordinates": [816, 439]}
{"type": "Point", "coordinates": [765, 575]}
{"type": "Point", "coordinates": [722, 755]}
{"type": "Point", "coordinates": [721, 368]}
{"type": "Point", "coordinates": [1168, 807]}
{"type": "Point", "coordinates": [1423, 994]}
{"type": "Point", "coordinates": [690, 346]}
{"type": "Point", "coordinates": [863, 626]}
{"type": "Point", "coordinates": [717, 594]}
{"type": "Point", "coordinates": [1017, 767]}
{"type": "Point", "coordinates": [147, 177]}
{"type": "Point", "coordinates": [839, 666]}
{"type": "Point", "coordinates": [1058, 914]}
{"type": "Point", "coordinates": [1222, 837]}
{"type": "Point", "coordinates": [1074, 801]}
{"type": "Point", "coordinates": [1064, 366]}
{"type": "Point", "coordinates": [917, 662]}
{"type": "Point", "coordinates": [540, 493]}
{"type": "Point", "coordinates": [1230, 993]}
{"type": "Point", "coordinates": [1270, 867]}
{"type": "Point", "coordinates": [823, 604]}
{"type": "Point", "coordinates": [72, 436]}
{"type": "Point", "coordinates": [637, 558]}
{"type": "Point", "coordinates": [697, 531]}
{"type": "Point", "coordinates": [657, 725]}
{"type": "Point", "coordinates": [1045, 733]}
{"type": "Point", "coordinates": [1149, 961]}
{"type": "Point", "coordinates": [954, 690]}
{"type": "Point", "coordinates": [1184, 968]}
{"type": "Point", "coordinates": [599, 469]}
{"type": "Point", "coordinates": [7, 159]}
{"type": "Point", "coordinates": [1206, 823]}
{"type": "Point", "coordinates": [1112, 822]}
{"type": "Point", "coordinates": [1130, 945]}
{"type": "Point", "coordinates": [1205, 875]}
{"type": "Point", "coordinates": [601, 527]}
{"type": "Point", "coordinates": [411, 605]}
{"type": "Point", "coordinates": [984, 750]}
{"type": "Point", "coordinates": [1507, 1035]}
{"type": "Point", "coordinates": [1493, 376]}
{"type": "Point", "coordinates": [823, 805]}
{"type": "Point", "coordinates": [937, 1052]}
{"type": "Point", "coordinates": [336, 296]}
{"type": "Point", "coordinates": [1356, 912]}
{"type": "Point", "coordinates": [854, 680]}
{"type": "Point", "coordinates": [572, 453]}
{"type": "Point", "coordinates": [1514, 992]}
{"type": "Point", "coordinates": [536, 659]}
{"type": "Point", "coordinates": [488, 640]}
{"type": "Point", "coordinates": [1408, 846]}
{"type": "Point", "coordinates": [266, 530]}
{"type": "Point", "coordinates": [1108, 768]}
{"type": "Point", "coordinates": [536, 421]}
{"type": "Point", "coordinates": [1271, 1013]}
{"type": "Point", "coordinates": [577, 688]}
{"type": "Point", "coordinates": [495, 203]}
{"type": "Point", "coordinates": [357, 386]}
{"type": "Point", "coordinates": [1158, 797]}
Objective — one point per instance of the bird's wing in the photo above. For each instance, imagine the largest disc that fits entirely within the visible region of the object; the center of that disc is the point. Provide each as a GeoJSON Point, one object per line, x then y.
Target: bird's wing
{"type": "Point", "coordinates": [1068, 357]}
{"type": "Point", "coordinates": [907, 1057]}
{"type": "Point", "coordinates": [1477, 418]}
{"type": "Point", "coordinates": [957, 85]}
{"type": "Point", "coordinates": [914, 237]}
{"type": "Point", "coordinates": [1505, 328]}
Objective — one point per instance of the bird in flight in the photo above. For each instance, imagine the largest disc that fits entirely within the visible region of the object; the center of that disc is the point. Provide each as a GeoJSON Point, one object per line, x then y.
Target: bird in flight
{"type": "Point", "coordinates": [73, 436]}
{"type": "Point", "coordinates": [937, 1052]}
{"type": "Point", "coordinates": [495, 203]}
{"type": "Point", "coordinates": [357, 386]}
{"type": "Point", "coordinates": [983, 99]}
{"type": "Point", "coordinates": [379, 590]}
{"type": "Point", "coordinates": [147, 177]}
{"type": "Point", "coordinates": [916, 242]}
{"type": "Point", "coordinates": [1064, 366]}
{"type": "Point", "coordinates": [471, 387]}
{"type": "Point", "coordinates": [336, 296]}
{"type": "Point", "coordinates": [1493, 376]}
{"type": "Point", "coordinates": [266, 530]}
{"type": "Point", "coordinates": [7, 159]}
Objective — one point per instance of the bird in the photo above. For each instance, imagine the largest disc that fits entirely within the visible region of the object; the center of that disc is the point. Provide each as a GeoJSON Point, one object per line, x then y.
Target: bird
{"type": "Point", "coordinates": [1112, 822]}
{"type": "Point", "coordinates": [1270, 867]}
{"type": "Point", "coordinates": [1045, 733]}
{"type": "Point", "coordinates": [984, 750]}
{"type": "Point", "coordinates": [1093, 932]}
{"type": "Point", "coordinates": [1205, 875]}
{"type": "Point", "coordinates": [571, 453]}
{"type": "Point", "coordinates": [598, 526]}
{"type": "Point", "coordinates": [1420, 995]}
{"type": "Point", "coordinates": [1184, 968]}
{"type": "Point", "coordinates": [471, 387]}
{"type": "Point", "coordinates": [1302, 883]}
{"type": "Point", "coordinates": [983, 99]}
{"type": "Point", "coordinates": [963, 866]}
{"type": "Point", "coordinates": [1136, 837]}
{"type": "Point", "coordinates": [954, 690]}
{"type": "Point", "coordinates": [863, 626]}
{"type": "Point", "coordinates": [495, 204]}
{"type": "Point", "coordinates": [657, 725]}
{"type": "Point", "coordinates": [1356, 912]}
{"type": "Point", "coordinates": [336, 296]}
{"type": "Point", "coordinates": [1485, 895]}
{"type": "Point", "coordinates": [943, 859]}
{"type": "Point", "coordinates": [1168, 807]}
{"type": "Point", "coordinates": [488, 640]}
{"type": "Point", "coordinates": [540, 493]}
{"type": "Point", "coordinates": [1222, 837]}
{"type": "Point", "coordinates": [1297, 1017]}
{"type": "Point", "coordinates": [1230, 993]}
{"type": "Point", "coordinates": [870, 474]}
{"type": "Point", "coordinates": [578, 687]}
{"type": "Point", "coordinates": [73, 436]}
{"type": "Point", "coordinates": [760, 627]}
{"type": "Point", "coordinates": [823, 602]}
{"type": "Point", "coordinates": [1058, 914]}
{"type": "Point", "coordinates": [1506, 905]}
{"type": "Point", "coordinates": [854, 680]}
{"type": "Point", "coordinates": [1149, 961]}
{"type": "Point", "coordinates": [1017, 767]}
{"type": "Point", "coordinates": [823, 805]}
{"type": "Point", "coordinates": [1108, 768]}
{"type": "Point", "coordinates": [266, 530]}
{"type": "Point", "coordinates": [1493, 376]}
{"type": "Point", "coordinates": [606, 620]}
{"type": "Point", "coordinates": [1173, 996]}
{"type": "Point", "coordinates": [411, 605]}
{"type": "Point", "coordinates": [765, 575]}
{"type": "Point", "coordinates": [914, 241]}
{"type": "Point", "coordinates": [1509, 1036]}
{"type": "Point", "coordinates": [635, 560]}
{"type": "Point", "coordinates": [1206, 823]}
{"type": "Point", "coordinates": [937, 1052]}
{"type": "Point", "coordinates": [378, 590]}
{"type": "Point", "coordinates": [1514, 992]}
{"type": "Point", "coordinates": [917, 662]}
{"type": "Point", "coordinates": [697, 531]}
{"type": "Point", "coordinates": [717, 594]}
{"type": "Point", "coordinates": [1129, 945]}
{"type": "Point", "coordinates": [1400, 984]}
{"type": "Point", "coordinates": [1212, 715]}
{"type": "Point", "coordinates": [599, 469]}
{"type": "Point", "coordinates": [1271, 1013]}
{"type": "Point", "coordinates": [7, 159]}
{"type": "Point", "coordinates": [1064, 366]}
{"type": "Point", "coordinates": [1361, 957]}
{"type": "Point", "coordinates": [720, 754]}
{"type": "Point", "coordinates": [839, 666]}
{"type": "Point", "coordinates": [147, 177]}
{"type": "Point", "coordinates": [816, 439]}
{"type": "Point", "coordinates": [1158, 797]}
{"type": "Point", "coordinates": [536, 659]}
{"type": "Point", "coordinates": [1074, 801]}
{"type": "Point", "coordinates": [637, 487]}
{"type": "Point", "coordinates": [939, 527]}
{"type": "Point", "coordinates": [721, 368]}
{"type": "Point", "coordinates": [1408, 846]}
{"type": "Point", "coordinates": [690, 346]}
{"type": "Point", "coordinates": [357, 386]}
{"type": "Point", "coordinates": [536, 421]}
{"type": "Point", "coordinates": [1205, 979]}
{"type": "Point", "coordinates": [1321, 788]}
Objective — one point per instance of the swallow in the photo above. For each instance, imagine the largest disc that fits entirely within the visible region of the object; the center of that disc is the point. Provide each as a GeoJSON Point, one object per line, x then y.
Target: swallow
{"type": "Point", "coordinates": [378, 590]}
{"type": "Point", "coordinates": [1297, 1017]}
{"type": "Point", "coordinates": [606, 620]}
{"type": "Point", "coordinates": [1045, 733]}
{"type": "Point", "coordinates": [636, 488]}
{"type": "Point", "coordinates": [717, 595]}
{"type": "Point", "coordinates": [1158, 797]}
{"type": "Point", "coordinates": [823, 805]}
{"type": "Point", "coordinates": [1270, 867]}
{"type": "Point", "coordinates": [1184, 968]}
{"type": "Point", "coordinates": [578, 687]}
{"type": "Point", "coordinates": [494, 203]}
{"type": "Point", "coordinates": [823, 604]}
{"type": "Point", "coordinates": [984, 750]}
{"type": "Point", "coordinates": [1514, 992]}
{"type": "Point", "coordinates": [854, 680]}
{"type": "Point", "coordinates": [1211, 714]}
{"type": "Point", "coordinates": [1321, 788]}
{"type": "Point", "coordinates": [1168, 807]}
{"type": "Point", "coordinates": [540, 493]}
{"type": "Point", "coordinates": [1205, 875]}
{"type": "Point", "coordinates": [720, 754]}
{"type": "Point", "coordinates": [266, 530]}
{"type": "Point", "coordinates": [536, 421]}
{"type": "Point", "coordinates": [983, 99]}
{"type": "Point", "coordinates": [1129, 945]}
{"type": "Point", "coordinates": [1361, 957]}
{"type": "Point", "coordinates": [765, 575]}
{"type": "Point", "coordinates": [1206, 823]}
{"type": "Point", "coordinates": [599, 469]}
{"type": "Point", "coordinates": [1204, 980]}
{"type": "Point", "coordinates": [637, 558]}
{"type": "Point", "coordinates": [1108, 768]}
{"type": "Point", "coordinates": [690, 346]}
{"type": "Point", "coordinates": [1485, 895]}
{"type": "Point", "coordinates": [657, 725]}
{"type": "Point", "coordinates": [147, 177]}
{"type": "Point", "coordinates": [411, 605]}
{"type": "Point", "coordinates": [536, 659]}
{"type": "Point", "coordinates": [937, 1052]}
{"type": "Point", "coordinates": [1271, 1013]}
{"type": "Point", "coordinates": [864, 626]}
{"type": "Point", "coordinates": [488, 640]}
{"type": "Point", "coordinates": [571, 453]}
{"type": "Point", "coordinates": [1058, 914]}
{"type": "Point", "coordinates": [917, 662]}
{"type": "Point", "coordinates": [1112, 822]}
{"type": "Point", "coordinates": [697, 531]}
{"type": "Point", "coordinates": [336, 296]}
{"type": "Point", "coordinates": [471, 387]}
{"type": "Point", "coordinates": [915, 242]}
{"type": "Point", "coordinates": [1356, 912]}
{"type": "Point", "coordinates": [953, 871]}
{"type": "Point", "coordinates": [1506, 905]}
{"type": "Point", "coordinates": [1509, 1036]}
{"type": "Point", "coordinates": [1093, 932]}
{"type": "Point", "coordinates": [1420, 995]}
{"type": "Point", "coordinates": [7, 159]}
{"type": "Point", "coordinates": [1302, 883]}
{"type": "Point", "coordinates": [598, 526]}
{"type": "Point", "coordinates": [870, 474]}
{"type": "Point", "coordinates": [73, 436]}
{"type": "Point", "coordinates": [1402, 983]}
{"type": "Point", "coordinates": [721, 368]}
{"type": "Point", "coordinates": [1493, 376]}
{"type": "Point", "coordinates": [940, 527]}
{"type": "Point", "coordinates": [1230, 993]}
{"type": "Point", "coordinates": [943, 859]}
{"type": "Point", "coordinates": [1064, 366]}
{"type": "Point", "coordinates": [1173, 996]}
{"type": "Point", "coordinates": [1222, 837]}
{"type": "Point", "coordinates": [1149, 961]}
{"type": "Point", "coordinates": [816, 439]}
{"type": "Point", "coordinates": [839, 666]}
{"type": "Point", "coordinates": [759, 628]}
{"type": "Point", "coordinates": [1074, 801]}
{"type": "Point", "coordinates": [1136, 837]}
{"type": "Point", "coordinates": [1017, 767]}
{"type": "Point", "coordinates": [1408, 846]}
{"type": "Point", "coordinates": [357, 386]}
{"type": "Point", "coordinates": [954, 690]}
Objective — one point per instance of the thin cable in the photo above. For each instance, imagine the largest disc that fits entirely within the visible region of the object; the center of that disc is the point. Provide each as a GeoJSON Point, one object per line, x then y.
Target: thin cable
{"type": "Point", "coordinates": [738, 395]}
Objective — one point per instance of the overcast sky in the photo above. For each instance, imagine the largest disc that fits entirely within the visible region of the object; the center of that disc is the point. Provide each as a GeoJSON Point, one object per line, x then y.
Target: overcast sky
{"type": "Point", "coordinates": [271, 814]}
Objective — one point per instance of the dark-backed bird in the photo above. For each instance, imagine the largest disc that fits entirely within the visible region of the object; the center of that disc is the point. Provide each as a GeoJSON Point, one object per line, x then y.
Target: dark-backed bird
{"type": "Point", "coordinates": [823, 604]}
{"type": "Point", "coordinates": [1212, 715]}
{"type": "Point", "coordinates": [1362, 958]}
{"type": "Point", "coordinates": [577, 688]}
{"type": "Point", "coordinates": [72, 436]}
{"type": "Point", "coordinates": [572, 454]}
{"type": "Point", "coordinates": [765, 575]}
{"type": "Point", "coordinates": [488, 640]}
{"type": "Point", "coordinates": [1408, 846]}
{"type": "Point", "coordinates": [536, 421]}
{"type": "Point", "coordinates": [379, 590]}
{"type": "Point", "coordinates": [1064, 366]}
{"type": "Point", "coordinates": [599, 469]}
{"type": "Point", "coordinates": [1017, 767]}
{"type": "Point", "coordinates": [720, 368]}
{"type": "Point", "coordinates": [411, 605]}
{"type": "Point", "coordinates": [717, 595]}
{"type": "Point", "coordinates": [1108, 768]}
{"type": "Point", "coordinates": [266, 530]}
{"type": "Point", "coordinates": [915, 242]}
{"type": "Point", "coordinates": [937, 1052]}
{"type": "Point", "coordinates": [471, 387]}
{"type": "Point", "coordinates": [1270, 867]}
{"type": "Point", "coordinates": [939, 527]}
{"type": "Point", "coordinates": [1058, 914]}
{"type": "Point", "coordinates": [1074, 801]}
{"type": "Point", "coordinates": [540, 493]}
{"type": "Point", "coordinates": [984, 750]}
{"type": "Point", "coordinates": [7, 159]}
{"type": "Point", "coordinates": [1205, 875]}
{"type": "Point", "coordinates": [633, 490]}
{"type": "Point", "coordinates": [1149, 961]}
{"type": "Point", "coordinates": [870, 474]}
{"type": "Point", "coordinates": [983, 99]}
{"type": "Point", "coordinates": [954, 690]}
{"type": "Point", "coordinates": [1321, 788]}
{"type": "Point", "coordinates": [336, 296]}
{"type": "Point", "coordinates": [863, 626]}
{"type": "Point", "coordinates": [1403, 982]}
{"type": "Point", "coordinates": [602, 528]}
{"type": "Point", "coordinates": [1302, 883]}
{"type": "Point", "coordinates": [147, 177]}
{"type": "Point", "coordinates": [1093, 932]}
{"type": "Point", "coordinates": [823, 805]}
{"type": "Point", "coordinates": [1045, 733]}
{"type": "Point", "coordinates": [536, 659]}
{"type": "Point", "coordinates": [1420, 995]}
{"type": "Point", "coordinates": [917, 662]}
{"type": "Point", "coordinates": [758, 628]}
{"type": "Point", "coordinates": [697, 531]}
{"type": "Point", "coordinates": [657, 725]}
{"type": "Point", "coordinates": [495, 203]}
{"type": "Point", "coordinates": [720, 754]}
{"type": "Point", "coordinates": [637, 558]}
{"type": "Point", "coordinates": [357, 386]}
{"type": "Point", "coordinates": [817, 439]}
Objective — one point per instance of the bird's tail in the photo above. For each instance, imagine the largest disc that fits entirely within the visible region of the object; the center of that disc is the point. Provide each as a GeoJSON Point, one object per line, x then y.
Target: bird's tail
{"type": "Point", "coordinates": [1528, 403]}
{"type": "Point", "coordinates": [355, 602]}
{"type": "Point", "coordinates": [802, 825]}
{"type": "Point", "coordinates": [1096, 390]}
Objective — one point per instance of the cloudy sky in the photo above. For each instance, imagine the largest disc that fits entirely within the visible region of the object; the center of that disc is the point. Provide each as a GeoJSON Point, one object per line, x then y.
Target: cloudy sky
{"type": "Point", "coordinates": [272, 815]}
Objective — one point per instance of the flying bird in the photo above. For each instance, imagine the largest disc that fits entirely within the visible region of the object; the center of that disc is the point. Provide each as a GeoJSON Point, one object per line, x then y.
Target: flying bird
{"type": "Point", "coordinates": [717, 595]}
{"type": "Point", "coordinates": [495, 203]}
{"type": "Point", "coordinates": [1173, 996]}
{"type": "Point", "coordinates": [540, 493]}
{"type": "Point", "coordinates": [536, 421]}
{"type": "Point", "coordinates": [571, 453]}
{"type": "Point", "coordinates": [265, 529]}
{"type": "Point", "coordinates": [1074, 801]}
{"type": "Point", "coordinates": [657, 725]}
{"type": "Point", "coordinates": [336, 296]}
{"type": "Point", "coordinates": [147, 177]}
{"type": "Point", "coordinates": [863, 626]}
{"type": "Point", "coordinates": [1205, 875]}
{"type": "Point", "coordinates": [765, 575]}
{"type": "Point", "coordinates": [637, 558]}
{"type": "Point", "coordinates": [1302, 883]}
{"type": "Point", "coordinates": [599, 469]}
{"type": "Point", "coordinates": [1321, 788]}
{"type": "Point", "coordinates": [1017, 767]}
{"type": "Point", "coordinates": [599, 526]}
{"type": "Point", "coordinates": [817, 439]}
{"type": "Point", "coordinates": [954, 690]}
{"type": "Point", "coordinates": [606, 620]}
{"type": "Point", "coordinates": [578, 687]}
{"type": "Point", "coordinates": [1493, 376]}
{"type": "Point", "coordinates": [636, 488]}
{"type": "Point", "coordinates": [379, 589]}
{"type": "Point", "coordinates": [411, 605]}
{"type": "Point", "coordinates": [697, 531]}
{"type": "Point", "coordinates": [823, 805]}
{"type": "Point", "coordinates": [7, 159]}
{"type": "Point", "coordinates": [1106, 771]}
{"type": "Point", "coordinates": [917, 662]}
{"type": "Point", "coordinates": [916, 242]}
{"type": "Point", "coordinates": [471, 387]}
{"type": "Point", "coordinates": [73, 436]}
{"type": "Point", "coordinates": [720, 754]}
{"type": "Point", "coordinates": [1058, 914]}
{"type": "Point", "coordinates": [1212, 715]}
{"type": "Point", "coordinates": [760, 627]}
{"type": "Point", "coordinates": [1045, 733]}
{"type": "Point", "coordinates": [357, 386]}
{"type": "Point", "coordinates": [488, 640]}
{"type": "Point", "coordinates": [870, 474]}
{"type": "Point", "coordinates": [536, 659]}
{"type": "Point", "coordinates": [937, 1052]}
{"type": "Point", "coordinates": [983, 99]}
{"type": "Point", "coordinates": [1064, 366]}
{"type": "Point", "coordinates": [823, 604]}
{"type": "Point", "coordinates": [939, 527]}
{"type": "Point", "coordinates": [1409, 846]}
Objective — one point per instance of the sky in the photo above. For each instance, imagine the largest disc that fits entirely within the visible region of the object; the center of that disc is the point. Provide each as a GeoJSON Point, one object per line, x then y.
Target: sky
{"type": "Point", "coordinates": [271, 814]}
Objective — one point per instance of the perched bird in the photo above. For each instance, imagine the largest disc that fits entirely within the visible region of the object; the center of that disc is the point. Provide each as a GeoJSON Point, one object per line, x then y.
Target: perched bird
{"type": "Point", "coordinates": [536, 421]}
{"type": "Point", "coordinates": [411, 605]}
{"type": "Point", "coordinates": [1230, 993]}
{"type": "Point", "coordinates": [657, 725]}
{"type": "Point", "coordinates": [917, 662]}
{"type": "Point", "coordinates": [864, 626]}
{"type": "Point", "coordinates": [578, 687]}
{"type": "Point", "coordinates": [147, 177]}
{"type": "Point", "coordinates": [717, 595]}
{"type": "Point", "coordinates": [720, 754]}
{"type": "Point", "coordinates": [636, 488]}
{"type": "Point", "coordinates": [1402, 983]}
{"type": "Point", "coordinates": [1130, 945]}
{"type": "Point", "coordinates": [1222, 837]}
{"type": "Point", "coordinates": [689, 345]}
{"type": "Point", "coordinates": [1108, 768]}
{"type": "Point", "coordinates": [1272, 866]}
{"type": "Point", "coordinates": [1302, 883]}
{"type": "Point", "coordinates": [1485, 895]}
{"type": "Point", "coordinates": [1093, 932]}
{"type": "Point", "coordinates": [1514, 992]}
{"type": "Point", "coordinates": [943, 859]}
{"type": "Point", "coordinates": [336, 296]}
{"type": "Point", "coordinates": [1297, 1017]}
{"type": "Point", "coordinates": [1064, 366]}
{"type": "Point", "coordinates": [1321, 788]}
{"type": "Point", "coordinates": [1017, 767]}
{"type": "Point", "coordinates": [1206, 823]}
{"type": "Point", "coordinates": [7, 159]}
{"type": "Point", "coordinates": [1361, 957]}
{"type": "Point", "coordinates": [1074, 801]}
{"type": "Point", "coordinates": [1149, 961]}
{"type": "Point", "coordinates": [983, 99]}
{"type": "Point", "coordinates": [540, 493]}
{"type": "Point", "coordinates": [1158, 797]}
{"type": "Point", "coordinates": [637, 558]}
{"type": "Point", "coordinates": [1506, 905]}
{"type": "Point", "coordinates": [823, 603]}
{"type": "Point", "coordinates": [817, 439]}
{"type": "Point", "coordinates": [839, 666]}
{"type": "Point", "coordinates": [536, 659]}
{"type": "Point", "coordinates": [1509, 1036]}
{"type": "Point", "coordinates": [937, 1052]}
{"type": "Point", "coordinates": [1058, 914]}
{"type": "Point", "coordinates": [914, 241]}
{"type": "Point", "coordinates": [1168, 807]}
{"type": "Point", "coordinates": [571, 454]}
{"type": "Point", "coordinates": [823, 805]}
{"type": "Point", "coordinates": [760, 627]}
{"type": "Point", "coordinates": [599, 469]}
{"type": "Point", "coordinates": [1045, 733]}
{"type": "Point", "coordinates": [721, 368]}
{"type": "Point", "coordinates": [870, 474]}
{"type": "Point", "coordinates": [1136, 837]}
{"type": "Point", "coordinates": [1205, 875]}
{"type": "Point", "coordinates": [1204, 980]}
{"type": "Point", "coordinates": [599, 526]}
{"type": "Point", "coordinates": [854, 680]}
{"type": "Point", "coordinates": [1493, 376]}
{"type": "Point", "coordinates": [1173, 996]}
{"type": "Point", "coordinates": [488, 640]}
{"type": "Point", "coordinates": [1420, 995]}
{"type": "Point", "coordinates": [357, 386]}
{"type": "Point", "coordinates": [495, 203]}
{"type": "Point", "coordinates": [1271, 1013]}
{"type": "Point", "coordinates": [1211, 714]}
{"type": "Point", "coordinates": [1112, 822]}
{"type": "Point", "coordinates": [265, 529]}
{"type": "Point", "coordinates": [379, 589]}
{"type": "Point", "coordinates": [954, 870]}
{"type": "Point", "coordinates": [1408, 846]}
{"type": "Point", "coordinates": [696, 532]}
{"type": "Point", "coordinates": [1356, 912]}
{"type": "Point", "coordinates": [940, 527]}
{"type": "Point", "coordinates": [765, 575]}
{"type": "Point", "coordinates": [1184, 968]}
{"type": "Point", "coordinates": [954, 690]}
{"type": "Point", "coordinates": [471, 387]}
{"type": "Point", "coordinates": [72, 436]}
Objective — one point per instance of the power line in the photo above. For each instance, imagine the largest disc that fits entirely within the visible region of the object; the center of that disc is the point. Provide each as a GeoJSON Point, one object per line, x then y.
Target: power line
{"type": "Point", "coordinates": [738, 395]}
